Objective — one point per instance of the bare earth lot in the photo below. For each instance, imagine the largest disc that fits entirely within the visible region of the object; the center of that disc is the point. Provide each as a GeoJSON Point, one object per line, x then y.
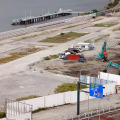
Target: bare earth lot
{"type": "Point", "coordinates": [71, 68]}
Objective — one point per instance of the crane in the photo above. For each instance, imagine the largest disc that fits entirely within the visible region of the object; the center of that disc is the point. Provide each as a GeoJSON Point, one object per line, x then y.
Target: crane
{"type": "Point", "coordinates": [103, 54]}
{"type": "Point", "coordinates": [112, 64]}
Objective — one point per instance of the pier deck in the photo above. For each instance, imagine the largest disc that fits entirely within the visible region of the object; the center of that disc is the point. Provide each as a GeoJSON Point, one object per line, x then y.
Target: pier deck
{"type": "Point", "coordinates": [31, 19]}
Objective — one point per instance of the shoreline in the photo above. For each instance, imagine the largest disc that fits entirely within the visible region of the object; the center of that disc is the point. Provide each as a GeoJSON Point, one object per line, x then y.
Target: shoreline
{"type": "Point", "coordinates": [42, 27]}
{"type": "Point", "coordinates": [9, 28]}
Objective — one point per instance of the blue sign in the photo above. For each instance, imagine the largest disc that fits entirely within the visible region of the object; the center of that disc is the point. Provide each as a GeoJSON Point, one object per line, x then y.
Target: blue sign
{"type": "Point", "coordinates": [96, 90]}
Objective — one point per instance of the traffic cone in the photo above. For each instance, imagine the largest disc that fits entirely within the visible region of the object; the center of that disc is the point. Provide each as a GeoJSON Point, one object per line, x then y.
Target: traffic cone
{"type": "Point", "coordinates": [30, 67]}
{"type": "Point", "coordinates": [55, 72]}
{"type": "Point", "coordinates": [73, 75]}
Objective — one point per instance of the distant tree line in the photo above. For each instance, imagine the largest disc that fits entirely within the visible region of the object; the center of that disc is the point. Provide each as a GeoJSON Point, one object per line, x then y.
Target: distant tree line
{"type": "Point", "coordinates": [111, 5]}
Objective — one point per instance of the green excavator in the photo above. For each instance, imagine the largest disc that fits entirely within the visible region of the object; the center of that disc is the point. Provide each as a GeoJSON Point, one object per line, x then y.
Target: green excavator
{"type": "Point", "coordinates": [103, 55]}
{"type": "Point", "coordinates": [112, 64]}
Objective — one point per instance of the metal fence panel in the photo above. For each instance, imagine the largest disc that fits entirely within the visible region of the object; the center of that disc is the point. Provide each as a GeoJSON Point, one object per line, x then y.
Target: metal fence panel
{"type": "Point", "coordinates": [18, 110]}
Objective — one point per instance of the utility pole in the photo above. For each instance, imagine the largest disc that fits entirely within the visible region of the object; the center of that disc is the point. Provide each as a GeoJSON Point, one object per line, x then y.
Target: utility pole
{"type": "Point", "coordinates": [78, 97]}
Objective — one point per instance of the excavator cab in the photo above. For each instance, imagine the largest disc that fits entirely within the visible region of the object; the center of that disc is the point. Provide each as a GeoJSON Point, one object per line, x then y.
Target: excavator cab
{"type": "Point", "coordinates": [105, 56]}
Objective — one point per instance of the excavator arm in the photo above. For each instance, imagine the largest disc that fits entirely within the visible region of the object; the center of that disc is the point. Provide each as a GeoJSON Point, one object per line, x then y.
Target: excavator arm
{"type": "Point", "coordinates": [112, 64]}
{"type": "Point", "coordinates": [115, 65]}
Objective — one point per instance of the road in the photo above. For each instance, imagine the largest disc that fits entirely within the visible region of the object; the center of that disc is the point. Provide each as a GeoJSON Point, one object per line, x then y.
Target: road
{"type": "Point", "coordinates": [31, 83]}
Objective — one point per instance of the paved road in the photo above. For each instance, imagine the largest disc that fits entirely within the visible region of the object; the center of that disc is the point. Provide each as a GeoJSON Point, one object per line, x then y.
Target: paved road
{"type": "Point", "coordinates": [31, 83]}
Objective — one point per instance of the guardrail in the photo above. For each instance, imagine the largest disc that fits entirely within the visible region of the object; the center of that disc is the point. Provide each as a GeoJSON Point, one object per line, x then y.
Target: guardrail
{"type": "Point", "coordinates": [94, 113]}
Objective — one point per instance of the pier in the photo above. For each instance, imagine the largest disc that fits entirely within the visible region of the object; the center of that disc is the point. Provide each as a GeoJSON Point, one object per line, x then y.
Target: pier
{"type": "Point", "coordinates": [41, 27]}
{"type": "Point", "coordinates": [31, 19]}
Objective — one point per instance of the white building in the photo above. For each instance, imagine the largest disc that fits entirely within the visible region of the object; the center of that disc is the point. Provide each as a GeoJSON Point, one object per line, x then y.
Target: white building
{"type": "Point", "coordinates": [84, 46]}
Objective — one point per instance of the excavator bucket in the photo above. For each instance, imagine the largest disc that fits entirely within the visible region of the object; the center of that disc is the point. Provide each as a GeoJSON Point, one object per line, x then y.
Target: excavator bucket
{"type": "Point", "coordinates": [99, 56]}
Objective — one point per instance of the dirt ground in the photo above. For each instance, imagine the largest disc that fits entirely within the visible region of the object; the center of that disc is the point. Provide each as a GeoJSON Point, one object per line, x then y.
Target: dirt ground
{"type": "Point", "coordinates": [72, 68]}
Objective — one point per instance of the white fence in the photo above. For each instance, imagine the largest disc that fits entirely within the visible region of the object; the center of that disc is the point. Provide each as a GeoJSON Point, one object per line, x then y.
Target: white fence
{"type": "Point", "coordinates": [110, 77]}
{"type": "Point", "coordinates": [55, 100]}
{"type": "Point", "coordinates": [65, 98]}
{"type": "Point", "coordinates": [25, 116]}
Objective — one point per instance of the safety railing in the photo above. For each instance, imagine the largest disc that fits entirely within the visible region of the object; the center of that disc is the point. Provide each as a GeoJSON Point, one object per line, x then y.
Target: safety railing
{"type": "Point", "coordinates": [94, 113]}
